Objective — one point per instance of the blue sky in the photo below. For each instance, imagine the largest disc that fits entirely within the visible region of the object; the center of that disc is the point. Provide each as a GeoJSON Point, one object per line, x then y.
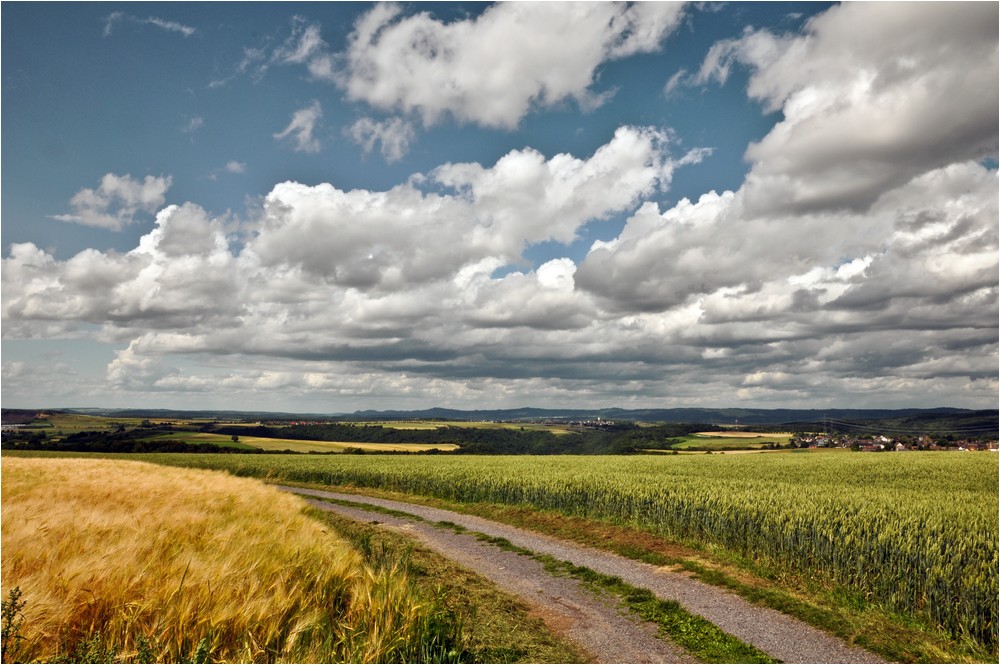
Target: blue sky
{"type": "Point", "coordinates": [333, 206]}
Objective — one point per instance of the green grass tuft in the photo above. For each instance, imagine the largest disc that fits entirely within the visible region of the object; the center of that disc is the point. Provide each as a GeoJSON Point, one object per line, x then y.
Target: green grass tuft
{"type": "Point", "coordinates": [700, 637]}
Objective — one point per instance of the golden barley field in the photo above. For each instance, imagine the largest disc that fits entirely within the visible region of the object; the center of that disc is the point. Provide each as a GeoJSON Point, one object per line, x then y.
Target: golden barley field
{"type": "Point", "coordinates": [157, 564]}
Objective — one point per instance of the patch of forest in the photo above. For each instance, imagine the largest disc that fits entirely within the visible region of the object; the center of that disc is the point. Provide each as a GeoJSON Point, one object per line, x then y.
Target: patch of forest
{"type": "Point", "coordinates": [620, 439]}
{"type": "Point", "coordinates": [122, 441]}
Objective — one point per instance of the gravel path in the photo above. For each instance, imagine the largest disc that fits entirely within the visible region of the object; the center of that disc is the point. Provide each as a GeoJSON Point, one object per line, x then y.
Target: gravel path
{"type": "Point", "coordinates": [776, 634]}
{"type": "Point", "coordinates": [603, 632]}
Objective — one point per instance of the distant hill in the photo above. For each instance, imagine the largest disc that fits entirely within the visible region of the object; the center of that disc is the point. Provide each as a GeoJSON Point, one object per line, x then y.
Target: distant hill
{"type": "Point", "coordinates": [166, 414]}
{"type": "Point", "coordinates": [725, 417]}
{"type": "Point", "coordinates": [959, 421]}
{"type": "Point", "coordinates": [19, 416]}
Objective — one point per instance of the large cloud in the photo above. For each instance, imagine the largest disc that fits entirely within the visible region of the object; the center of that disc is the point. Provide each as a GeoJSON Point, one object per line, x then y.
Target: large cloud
{"type": "Point", "coordinates": [697, 318]}
{"type": "Point", "coordinates": [494, 69]}
{"type": "Point", "coordinates": [433, 226]}
{"type": "Point", "coordinates": [346, 275]}
{"type": "Point", "coordinates": [872, 95]}
{"type": "Point", "coordinates": [491, 70]}
{"type": "Point", "coordinates": [862, 248]}
{"type": "Point", "coordinates": [924, 255]}
{"type": "Point", "coordinates": [870, 166]}
{"type": "Point", "coordinates": [181, 275]}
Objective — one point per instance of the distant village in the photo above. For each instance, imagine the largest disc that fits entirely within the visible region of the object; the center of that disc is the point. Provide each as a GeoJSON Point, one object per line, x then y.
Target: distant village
{"type": "Point", "coordinates": [877, 443]}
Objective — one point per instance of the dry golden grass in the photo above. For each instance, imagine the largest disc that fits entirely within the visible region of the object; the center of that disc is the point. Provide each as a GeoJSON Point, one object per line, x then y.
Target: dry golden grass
{"type": "Point", "coordinates": [133, 551]}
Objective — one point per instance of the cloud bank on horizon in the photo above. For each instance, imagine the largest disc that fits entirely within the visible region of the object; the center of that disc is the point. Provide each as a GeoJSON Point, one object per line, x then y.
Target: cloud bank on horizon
{"type": "Point", "coordinates": [479, 207]}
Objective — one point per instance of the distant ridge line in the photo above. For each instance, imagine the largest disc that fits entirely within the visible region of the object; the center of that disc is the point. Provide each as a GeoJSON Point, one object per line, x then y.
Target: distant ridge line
{"type": "Point", "coordinates": [714, 416]}
{"type": "Point", "coordinates": [717, 416]}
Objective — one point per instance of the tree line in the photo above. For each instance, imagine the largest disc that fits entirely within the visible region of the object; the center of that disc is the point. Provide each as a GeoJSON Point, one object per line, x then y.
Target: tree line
{"type": "Point", "coordinates": [619, 439]}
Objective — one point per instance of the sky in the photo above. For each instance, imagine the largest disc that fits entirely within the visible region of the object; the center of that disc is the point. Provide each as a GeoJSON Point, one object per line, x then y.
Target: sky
{"type": "Point", "coordinates": [324, 207]}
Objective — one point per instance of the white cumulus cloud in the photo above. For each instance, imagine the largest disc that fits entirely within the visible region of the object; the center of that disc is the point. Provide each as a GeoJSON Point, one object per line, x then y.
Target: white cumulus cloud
{"type": "Point", "coordinates": [872, 95]}
{"type": "Point", "coordinates": [407, 235]}
{"type": "Point", "coordinates": [115, 202]}
{"type": "Point", "coordinates": [496, 68]}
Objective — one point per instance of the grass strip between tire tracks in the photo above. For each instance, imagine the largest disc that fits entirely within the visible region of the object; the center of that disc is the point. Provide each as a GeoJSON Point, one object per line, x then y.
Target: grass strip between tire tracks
{"type": "Point", "coordinates": [698, 636]}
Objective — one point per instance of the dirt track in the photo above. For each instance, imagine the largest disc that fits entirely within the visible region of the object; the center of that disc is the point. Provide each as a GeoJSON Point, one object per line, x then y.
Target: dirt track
{"type": "Point", "coordinates": [596, 626]}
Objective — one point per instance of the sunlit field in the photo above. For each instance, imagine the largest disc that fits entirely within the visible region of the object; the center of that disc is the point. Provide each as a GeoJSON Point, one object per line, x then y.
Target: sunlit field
{"type": "Point", "coordinates": [915, 532]}
{"type": "Point", "coordinates": [64, 423]}
{"type": "Point", "coordinates": [734, 434]}
{"type": "Point", "coordinates": [126, 560]}
{"type": "Point", "coordinates": [731, 440]}
{"type": "Point", "coordinates": [71, 423]}
{"type": "Point", "coordinates": [470, 424]}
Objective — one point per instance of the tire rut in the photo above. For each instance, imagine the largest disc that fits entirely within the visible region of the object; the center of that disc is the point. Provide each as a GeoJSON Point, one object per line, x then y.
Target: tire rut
{"type": "Point", "coordinates": [778, 635]}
